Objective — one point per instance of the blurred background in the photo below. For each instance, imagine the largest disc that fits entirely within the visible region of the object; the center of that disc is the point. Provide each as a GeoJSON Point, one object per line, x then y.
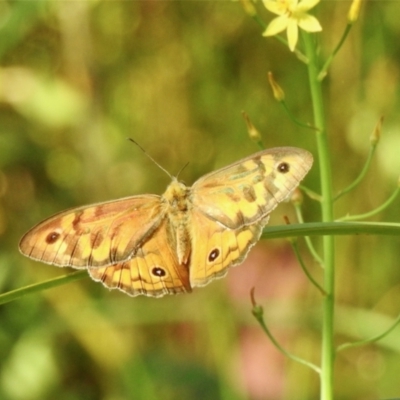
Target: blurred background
{"type": "Point", "coordinates": [76, 79]}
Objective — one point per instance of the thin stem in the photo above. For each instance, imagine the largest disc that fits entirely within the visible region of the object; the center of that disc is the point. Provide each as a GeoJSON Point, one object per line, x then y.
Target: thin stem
{"type": "Point", "coordinates": [310, 193]}
{"type": "Point", "coordinates": [331, 229]}
{"type": "Point", "coordinates": [327, 351]}
{"type": "Point", "coordinates": [294, 119]}
{"type": "Point", "coordinates": [37, 287]}
{"type": "Point", "coordinates": [372, 212]}
{"type": "Point", "coordinates": [258, 314]}
{"type": "Point", "coordinates": [309, 243]}
{"type": "Point", "coordinates": [361, 176]}
{"type": "Point", "coordinates": [369, 340]}
{"type": "Point", "coordinates": [328, 62]}
{"type": "Point", "coordinates": [304, 268]}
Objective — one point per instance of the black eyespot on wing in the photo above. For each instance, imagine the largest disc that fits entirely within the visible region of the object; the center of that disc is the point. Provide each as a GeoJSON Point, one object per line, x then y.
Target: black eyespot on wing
{"type": "Point", "coordinates": [214, 254]}
{"type": "Point", "coordinates": [159, 272]}
{"type": "Point", "coordinates": [283, 167]}
{"type": "Point", "coordinates": [52, 237]}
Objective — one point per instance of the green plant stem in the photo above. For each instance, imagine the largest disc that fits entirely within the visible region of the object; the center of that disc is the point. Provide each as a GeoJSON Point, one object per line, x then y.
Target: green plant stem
{"type": "Point", "coordinates": [370, 340]}
{"type": "Point", "coordinates": [304, 268]}
{"type": "Point", "coordinates": [327, 350]}
{"type": "Point", "coordinates": [310, 193]}
{"type": "Point", "coordinates": [258, 314]}
{"type": "Point", "coordinates": [309, 243]}
{"type": "Point", "coordinates": [331, 228]}
{"type": "Point", "coordinates": [361, 176]}
{"type": "Point", "coordinates": [372, 212]}
{"type": "Point", "coordinates": [260, 21]}
{"type": "Point", "coordinates": [328, 62]}
{"type": "Point", "coordinates": [37, 287]}
{"type": "Point", "coordinates": [294, 119]}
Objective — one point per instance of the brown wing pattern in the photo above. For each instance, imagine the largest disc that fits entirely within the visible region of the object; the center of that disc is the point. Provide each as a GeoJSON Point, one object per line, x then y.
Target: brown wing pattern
{"type": "Point", "coordinates": [95, 235]}
{"type": "Point", "coordinates": [217, 248]}
{"type": "Point", "coordinates": [248, 190]}
{"type": "Point", "coordinates": [153, 269]}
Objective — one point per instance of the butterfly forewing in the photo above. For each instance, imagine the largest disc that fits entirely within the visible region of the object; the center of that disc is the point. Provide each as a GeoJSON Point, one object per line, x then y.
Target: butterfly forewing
{"type": "Point", "coordinates": [96, 235]}
{"type": "Point", "coordinates": [248, 190]}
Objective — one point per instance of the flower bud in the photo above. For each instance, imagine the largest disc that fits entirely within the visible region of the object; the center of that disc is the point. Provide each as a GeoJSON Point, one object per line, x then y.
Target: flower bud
{"type": "Point", "coordinates": [278, 92]}
{"type": "Point", "coordinates": [376, 133]}
{"type": "Point", "coordinates": [248, 7]}
{"type": "Point", "coordinates": [354, 11]}
{"type": "Point", "coordinates": [251, 129]}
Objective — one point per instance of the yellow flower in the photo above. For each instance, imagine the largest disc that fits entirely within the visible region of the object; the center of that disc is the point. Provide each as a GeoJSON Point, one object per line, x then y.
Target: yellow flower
{"type": "Point", "coordinates": [292, 15]}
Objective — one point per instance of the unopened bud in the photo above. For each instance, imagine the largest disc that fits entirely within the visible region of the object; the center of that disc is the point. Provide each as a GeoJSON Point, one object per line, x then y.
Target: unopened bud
{"type": "Point", "coordinates": [278, 92]}
{"type": "Point", "coordinates": [257, 310]}
{"type": "Point", "coordinates": [252, 297]}
{"type": "Point", "coordinates": [376, 133]}
{"type": "Point", "coordinates": [297, 197]}
{"type": "Point", "coordinates": [251, 129]}
{"type": "Point", "coordinates": [354, 11]}
{"type": "Point", "coordinates": [248, 7]}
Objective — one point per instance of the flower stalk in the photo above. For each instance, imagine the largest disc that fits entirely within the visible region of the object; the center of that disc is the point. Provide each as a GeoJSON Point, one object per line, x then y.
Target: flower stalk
{"type": "Point", "coordinates": [327, 350]}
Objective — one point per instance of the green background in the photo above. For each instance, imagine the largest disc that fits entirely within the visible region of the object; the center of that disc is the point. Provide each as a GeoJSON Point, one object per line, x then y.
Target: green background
{"type": "Point", "coordinates": [76, 79]}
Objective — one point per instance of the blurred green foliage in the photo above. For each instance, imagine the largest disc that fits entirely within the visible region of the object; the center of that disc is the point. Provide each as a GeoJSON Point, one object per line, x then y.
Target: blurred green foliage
{"type": "Point", "coordinates": [79, 77]}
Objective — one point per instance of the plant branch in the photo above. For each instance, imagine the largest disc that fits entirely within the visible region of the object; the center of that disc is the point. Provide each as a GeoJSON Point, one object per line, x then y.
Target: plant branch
{"type": "Point", "coordinates": [327, 350]}
{"type": "Point", "coordinates": [372, 212]}
{"type": "Point", "coordinates": [369, 340]}
{"type": "Point", "coordinates": [360, 176]}
{"type": "Point", "coordinates": [258, 314]}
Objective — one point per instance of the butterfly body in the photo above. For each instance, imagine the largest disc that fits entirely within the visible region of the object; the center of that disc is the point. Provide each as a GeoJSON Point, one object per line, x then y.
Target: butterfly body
{"type": "Point", "coordinates": [154, 245]}
{"type": "Point", "coordinates": [178, 211]}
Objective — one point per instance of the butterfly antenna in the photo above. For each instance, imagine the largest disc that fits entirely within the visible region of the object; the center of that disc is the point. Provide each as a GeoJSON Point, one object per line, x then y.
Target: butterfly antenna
{"type": "Point", "coordinates": [151, 158]}
{"type": "Point", "coordinates": [179, 172]}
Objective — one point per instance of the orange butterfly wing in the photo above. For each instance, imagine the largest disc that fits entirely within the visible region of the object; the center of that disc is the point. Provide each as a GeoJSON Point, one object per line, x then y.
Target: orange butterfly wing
{"type": "Point", "coordinates": [217, 248]}
{"type": "Point", "coordinates": [125, 244]}
{"type": "Point", "coordinates": [231, 206]}
{"type": "Point", "coordinates": [153, 270]}
{"type": "Point", "coordinates": [246, 191]}
{"type": "Point", "coordinates": [95, 235]}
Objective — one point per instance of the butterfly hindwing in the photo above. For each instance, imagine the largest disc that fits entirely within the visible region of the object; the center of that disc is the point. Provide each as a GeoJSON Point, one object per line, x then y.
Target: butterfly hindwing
{"type": "Point", "coordinates": [218, 248]}
{"type": "Point", "coordinates": [153, 270]}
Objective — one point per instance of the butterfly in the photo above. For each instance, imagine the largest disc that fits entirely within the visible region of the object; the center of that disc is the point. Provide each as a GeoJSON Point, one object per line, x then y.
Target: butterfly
{"type": "Point", "coordinates": [156, 245]}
